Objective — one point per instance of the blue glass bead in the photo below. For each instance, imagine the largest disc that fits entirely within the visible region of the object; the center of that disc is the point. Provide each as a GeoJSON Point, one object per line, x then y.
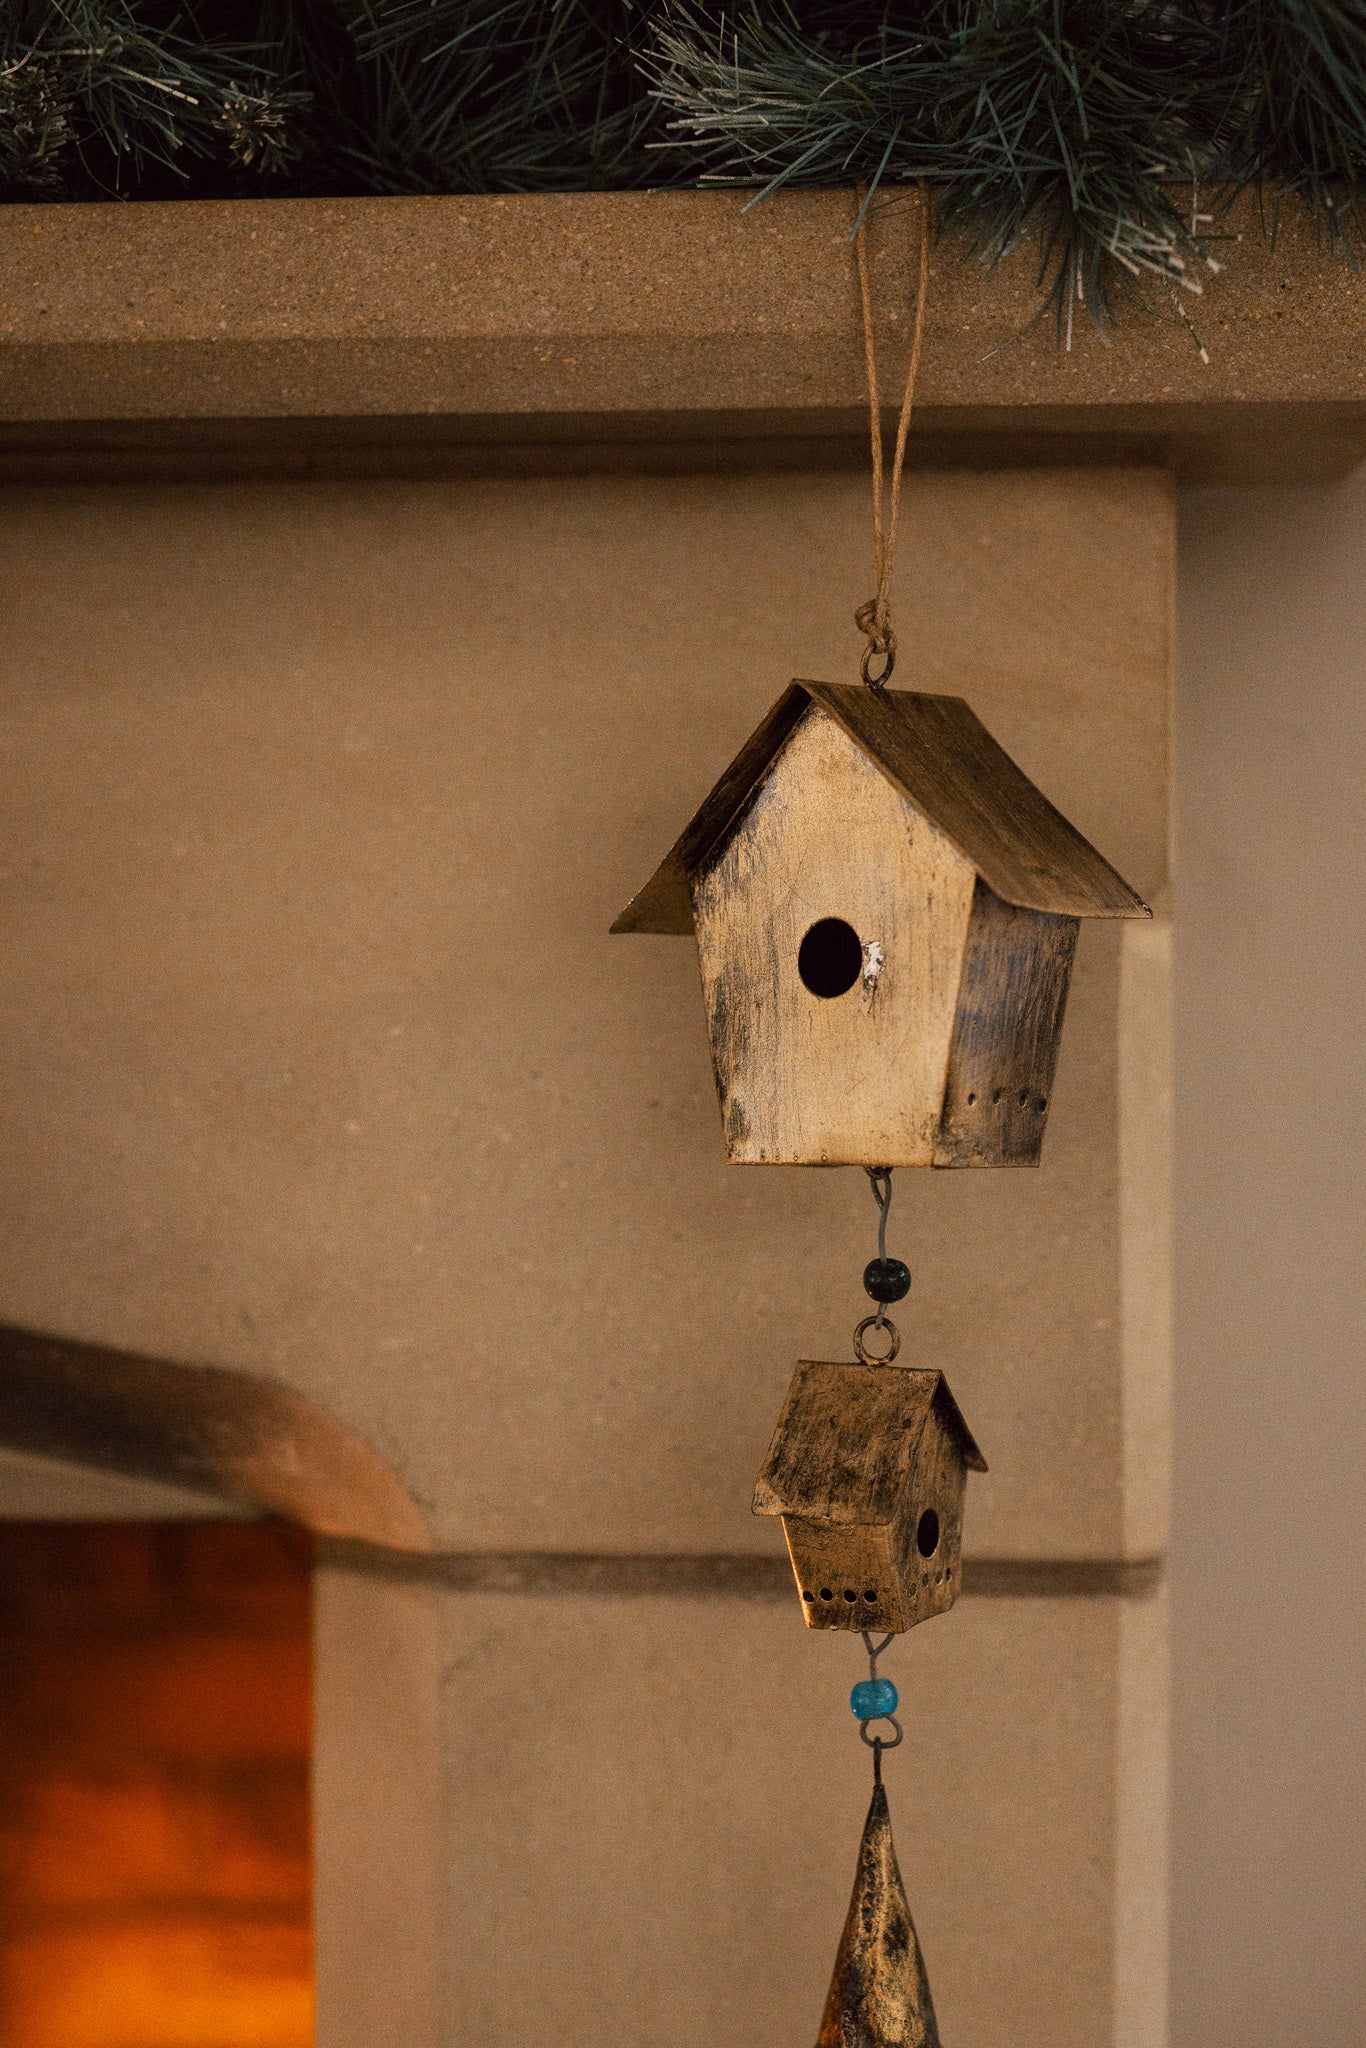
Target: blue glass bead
{"type": "Point", "coordinates": [873, 1697]}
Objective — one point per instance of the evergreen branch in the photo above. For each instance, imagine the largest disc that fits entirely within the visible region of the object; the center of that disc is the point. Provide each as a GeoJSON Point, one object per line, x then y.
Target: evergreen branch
{"type": "Point", "coordinates": [1067, 125]}
{"type": "Point", "coordinates": [488, 96]}
{"type": "Point", "coordinates": [98, 97]}
{"type": "Point", "coordinates": [1035, 120]}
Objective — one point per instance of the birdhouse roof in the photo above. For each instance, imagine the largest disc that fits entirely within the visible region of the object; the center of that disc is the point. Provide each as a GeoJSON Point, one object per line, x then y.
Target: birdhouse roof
{"type": "Point", "coordinates": [845, 1441]}
{"type": "Point", "coordinates": [942, 759]}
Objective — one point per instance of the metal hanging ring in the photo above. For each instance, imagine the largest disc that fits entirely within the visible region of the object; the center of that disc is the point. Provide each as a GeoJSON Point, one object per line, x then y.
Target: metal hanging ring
{"type": "Point", "coordinates": [870, 654]}
{"type": "Point", "coordinates": [887, 1743]}
{"type": "Point", "coordinates": [866, 1357]}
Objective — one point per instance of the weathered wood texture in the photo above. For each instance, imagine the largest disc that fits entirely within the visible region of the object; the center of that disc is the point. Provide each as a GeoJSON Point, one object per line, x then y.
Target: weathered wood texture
{"type": "Point", "coordinates": [843, 1446]}
{"type": "Point", "coordinates": [1011, 1000]}
{"type": "Point", "coordinates": [897, 814]}
{"type": "Point", "coordinates": [879, 1995]}
{"type": "Point", "coordinates": [937, 753]}
{"type": "Point", "coordinates": [665, 904]}
{"type": "Point", "coordinates": [862, 1455]}
{"type": "Point", "coordinates": [858, 1078]}
{"type": "Point", "coordinates": [941, 757]}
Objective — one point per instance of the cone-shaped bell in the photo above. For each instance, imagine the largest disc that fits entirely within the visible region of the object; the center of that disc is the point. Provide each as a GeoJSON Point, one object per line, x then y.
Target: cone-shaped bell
{"type": "Point", "coordinates": [879, 1994]}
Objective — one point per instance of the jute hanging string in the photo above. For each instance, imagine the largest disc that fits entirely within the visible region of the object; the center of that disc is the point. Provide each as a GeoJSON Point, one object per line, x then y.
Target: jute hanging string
{"type": "Point", "coordinates": [873, 618]}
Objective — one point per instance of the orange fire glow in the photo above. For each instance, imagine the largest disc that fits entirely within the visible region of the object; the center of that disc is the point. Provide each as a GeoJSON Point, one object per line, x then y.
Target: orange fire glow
{"type": "Point", "coordinates": [154, 1733]}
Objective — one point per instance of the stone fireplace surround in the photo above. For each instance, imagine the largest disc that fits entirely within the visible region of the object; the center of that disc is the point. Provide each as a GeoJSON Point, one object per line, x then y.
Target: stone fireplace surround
{"type": "Point", "coordinates": [389, 577]}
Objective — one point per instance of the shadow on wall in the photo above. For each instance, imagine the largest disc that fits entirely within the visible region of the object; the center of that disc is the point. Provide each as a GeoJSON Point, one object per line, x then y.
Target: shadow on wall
{"type": "Point", "coordinates": [228, 1433]}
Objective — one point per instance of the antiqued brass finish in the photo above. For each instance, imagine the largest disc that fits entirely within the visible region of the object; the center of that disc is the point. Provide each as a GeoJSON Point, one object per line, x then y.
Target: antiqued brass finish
{"type": "Point", "coordinates": [868, 1469]}
{"type": "Point", "coordinates": [879, 1994]}
{"type": "Point", "coordinates": [861, 1351]}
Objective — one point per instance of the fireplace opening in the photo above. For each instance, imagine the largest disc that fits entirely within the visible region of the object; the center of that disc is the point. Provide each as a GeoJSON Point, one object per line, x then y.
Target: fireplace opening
{"type": "Point", "coordinates": [155, 1880]}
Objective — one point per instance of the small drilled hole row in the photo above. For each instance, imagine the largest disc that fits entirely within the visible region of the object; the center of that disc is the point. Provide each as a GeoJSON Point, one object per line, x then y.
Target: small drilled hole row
{"type": "Point", "coordinates": [828, 1593]}
{"type": "Point", "coordinates": [1040, 1101]}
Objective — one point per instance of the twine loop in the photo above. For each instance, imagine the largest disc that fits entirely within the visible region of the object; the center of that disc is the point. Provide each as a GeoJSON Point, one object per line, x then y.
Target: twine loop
{"type": "Point", "coordinates": [881, 638]}
{"type": "Point", "coordinates": [873, 617]}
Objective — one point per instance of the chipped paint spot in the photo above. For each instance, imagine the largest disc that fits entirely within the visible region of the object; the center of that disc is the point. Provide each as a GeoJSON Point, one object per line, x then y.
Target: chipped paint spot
{"type": "Point", "coordinates": [874, 960]}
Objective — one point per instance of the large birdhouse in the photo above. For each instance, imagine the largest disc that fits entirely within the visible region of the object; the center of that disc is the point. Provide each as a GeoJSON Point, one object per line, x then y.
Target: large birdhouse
{"type": "Point", "coordinates": [868, 1469]}
{"type": "Point", "coordinates": [886, 910]}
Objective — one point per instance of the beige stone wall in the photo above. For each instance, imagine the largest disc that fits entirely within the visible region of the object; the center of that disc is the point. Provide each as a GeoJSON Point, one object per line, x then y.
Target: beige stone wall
{"type": "Point", "coordinates": [702, 1753]}
{"type": "Point", "coordinates": [321, 1065]}
{"type": "Point", "coordinates": [1270, 1557]}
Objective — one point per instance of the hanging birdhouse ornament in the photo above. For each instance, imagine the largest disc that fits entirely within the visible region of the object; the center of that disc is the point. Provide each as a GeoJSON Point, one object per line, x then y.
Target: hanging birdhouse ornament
{"type": "Point", "coordinates": [886, 910]}
{"type": "Point", "coordinates": [868, 1470]}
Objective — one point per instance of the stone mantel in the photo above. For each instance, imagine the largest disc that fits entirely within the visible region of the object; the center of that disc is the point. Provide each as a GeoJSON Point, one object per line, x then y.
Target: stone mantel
{"type": "Point", "coordinates": [678, 329]}
{"type": "Point", "coordinates": [350, 1169]}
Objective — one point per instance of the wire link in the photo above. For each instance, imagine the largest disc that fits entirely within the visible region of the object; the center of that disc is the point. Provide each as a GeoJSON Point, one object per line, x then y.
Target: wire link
{"type": "Point", "coordinates": [877, 1743]}
{"type": "Point", "coordinates": [880, 1180]}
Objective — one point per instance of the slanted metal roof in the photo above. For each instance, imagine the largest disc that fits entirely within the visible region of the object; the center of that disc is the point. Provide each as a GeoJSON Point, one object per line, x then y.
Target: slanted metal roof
{"type": "Point", "coordinates": [942, 759]}
{"type": "Point", "coordinates": [846, 1438]}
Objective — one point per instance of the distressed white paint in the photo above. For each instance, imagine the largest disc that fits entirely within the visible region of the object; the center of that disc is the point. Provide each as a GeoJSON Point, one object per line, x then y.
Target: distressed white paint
{"type": "Point", "coordinates": [874, 960]}
{"type": "Point", "coordinates": [854, 1079]}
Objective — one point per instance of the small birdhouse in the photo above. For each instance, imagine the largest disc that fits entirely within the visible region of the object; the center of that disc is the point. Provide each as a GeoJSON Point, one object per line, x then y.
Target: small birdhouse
{"type": "Point", "coordinates": [868, 1468]}
{"type": "Point", "coordinates": [886, 910]}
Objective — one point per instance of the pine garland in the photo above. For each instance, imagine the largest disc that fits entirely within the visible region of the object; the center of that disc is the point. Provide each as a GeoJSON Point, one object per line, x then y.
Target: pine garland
{"type": "Point", "coordinates": [1083, 126]}
{"type": "Point", "coordinates": [514, 96]}
{"type": "Point", "coordinates": [113, 98]}
{"type": "Point", "coordinates": [1078, 126]}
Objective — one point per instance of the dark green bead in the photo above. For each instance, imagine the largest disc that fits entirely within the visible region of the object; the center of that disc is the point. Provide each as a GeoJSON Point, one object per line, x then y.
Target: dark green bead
{"type": "Point", "coordinates": [887, 1279]}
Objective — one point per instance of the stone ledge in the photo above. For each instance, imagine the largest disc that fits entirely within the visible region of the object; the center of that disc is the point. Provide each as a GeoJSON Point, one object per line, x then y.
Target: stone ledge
{"type": "Point", "coordinates": [741, 1576]}
{"type": "Point", "coordinates": [1253, 442]}
{"type": "Point", "coordinates": [420, 333]}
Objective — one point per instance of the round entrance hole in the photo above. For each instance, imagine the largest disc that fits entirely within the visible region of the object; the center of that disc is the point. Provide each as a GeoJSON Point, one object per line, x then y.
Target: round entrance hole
{"type": "Point", "coordinates": [927, 1533]}
{"type": "Point", "coordinates": [830, 958]}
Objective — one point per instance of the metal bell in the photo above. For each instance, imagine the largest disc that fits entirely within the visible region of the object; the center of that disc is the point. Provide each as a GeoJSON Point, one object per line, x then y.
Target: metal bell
{"type": "Point", "coordinates": [879, 1994]}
